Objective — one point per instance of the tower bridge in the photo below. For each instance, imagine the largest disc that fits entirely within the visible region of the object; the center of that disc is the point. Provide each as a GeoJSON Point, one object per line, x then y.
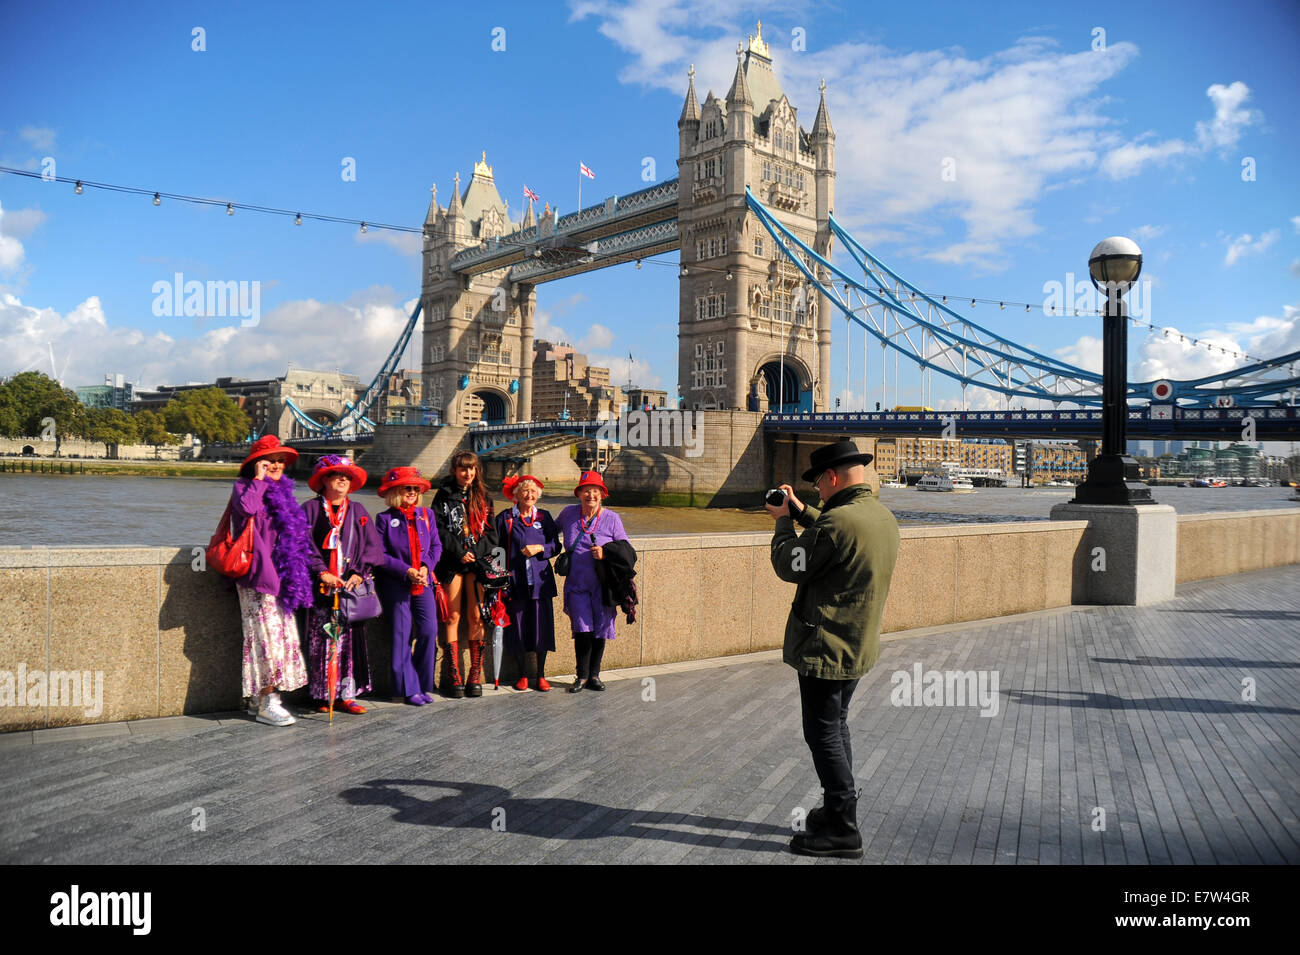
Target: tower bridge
{"type": "Point", "coordinates": [750, 213]}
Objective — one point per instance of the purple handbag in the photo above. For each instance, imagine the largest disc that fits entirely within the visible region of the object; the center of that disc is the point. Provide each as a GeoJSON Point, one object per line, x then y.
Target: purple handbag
{"type": "Point", "coordinates": [361, 604]}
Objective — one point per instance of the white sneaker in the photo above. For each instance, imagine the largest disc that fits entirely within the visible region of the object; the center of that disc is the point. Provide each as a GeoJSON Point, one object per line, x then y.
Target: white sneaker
{"type": "Point", "coordinates": [272, 713]}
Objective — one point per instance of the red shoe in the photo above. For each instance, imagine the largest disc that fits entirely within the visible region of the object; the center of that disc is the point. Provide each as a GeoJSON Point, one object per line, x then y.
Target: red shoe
{"type": "Point", "coordinates": [353, 707]}
{"type": "Point", "coordinates": [542, 684]}
{"type": "Point", "coordinates": [521, 683]}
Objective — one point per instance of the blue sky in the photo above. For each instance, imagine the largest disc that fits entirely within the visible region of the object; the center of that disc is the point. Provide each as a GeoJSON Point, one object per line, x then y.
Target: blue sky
{"type": "Point", "coordinates": [1057, 143]}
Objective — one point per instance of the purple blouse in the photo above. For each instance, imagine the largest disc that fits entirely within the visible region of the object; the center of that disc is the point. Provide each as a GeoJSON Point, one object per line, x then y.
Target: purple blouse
{"type": "Point", "coordinates": [582, 567]}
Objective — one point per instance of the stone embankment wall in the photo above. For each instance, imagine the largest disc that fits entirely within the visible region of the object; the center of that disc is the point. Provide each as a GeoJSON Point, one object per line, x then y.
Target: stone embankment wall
{"type": "Point", "coordinates": [95, 449]}
{"type": "Point", "coordinates": [167, 639]}
{"type": "Point", "coordinates": [1216, 545]}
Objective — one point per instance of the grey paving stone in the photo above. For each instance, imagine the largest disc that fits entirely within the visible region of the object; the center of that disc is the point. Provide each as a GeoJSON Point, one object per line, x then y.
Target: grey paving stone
{"type": "Point", "coordinates": [1137, 710]}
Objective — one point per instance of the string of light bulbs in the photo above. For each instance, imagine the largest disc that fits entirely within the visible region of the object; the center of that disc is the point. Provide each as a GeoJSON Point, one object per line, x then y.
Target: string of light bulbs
{"type": "Point", "coordinates": [364, 225]}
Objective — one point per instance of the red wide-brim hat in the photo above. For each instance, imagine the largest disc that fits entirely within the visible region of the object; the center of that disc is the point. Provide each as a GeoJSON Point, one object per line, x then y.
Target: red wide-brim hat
{"type": "Point", "coordinates": [402, 477]}
{"type": "Point", "coordinates": [267, 445]}
{"type": "Point", "coordinates": [591, 479]}
{"type": "Point", "coordinates": [509, 484]}
{"type": "Point", "coordinates": [336, 464]}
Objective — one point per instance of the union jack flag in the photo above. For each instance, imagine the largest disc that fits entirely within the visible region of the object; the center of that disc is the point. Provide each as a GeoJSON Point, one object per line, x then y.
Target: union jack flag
{"type": "Point", "coordinates": [529, 194]}
{"type": "Point", "coordinates": [582, 168]}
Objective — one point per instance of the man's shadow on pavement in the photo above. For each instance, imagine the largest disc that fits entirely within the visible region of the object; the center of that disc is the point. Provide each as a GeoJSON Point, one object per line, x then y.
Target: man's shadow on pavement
{"type": "Point", "coordinates": [479, 805]}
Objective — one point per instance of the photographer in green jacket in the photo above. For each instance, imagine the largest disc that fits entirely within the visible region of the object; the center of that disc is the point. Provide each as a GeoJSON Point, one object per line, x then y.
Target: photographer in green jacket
{"type": "Point", "coordinates": [842, 564]}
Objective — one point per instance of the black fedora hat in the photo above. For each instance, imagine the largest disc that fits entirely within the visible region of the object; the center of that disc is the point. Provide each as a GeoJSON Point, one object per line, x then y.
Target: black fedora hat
{"type": "Point", "coordinates": [842, 451]}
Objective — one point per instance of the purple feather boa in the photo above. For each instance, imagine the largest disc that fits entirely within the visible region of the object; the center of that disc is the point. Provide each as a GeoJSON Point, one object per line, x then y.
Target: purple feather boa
{"type": "Point", "coordinates": [292, 544]}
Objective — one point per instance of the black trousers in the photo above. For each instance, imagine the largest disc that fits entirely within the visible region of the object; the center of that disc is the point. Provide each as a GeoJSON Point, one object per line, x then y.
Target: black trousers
{"type": "Point", "coordinates": [589, 651]}
{"type": "Point", "coordinates": [825, 705]}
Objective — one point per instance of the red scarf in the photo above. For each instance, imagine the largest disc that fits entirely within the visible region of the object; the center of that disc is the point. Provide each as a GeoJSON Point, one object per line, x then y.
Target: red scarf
{"type": "Point", "coordinates": [413, 538]}
{"type": "Point", "coordinates": [333, 543]}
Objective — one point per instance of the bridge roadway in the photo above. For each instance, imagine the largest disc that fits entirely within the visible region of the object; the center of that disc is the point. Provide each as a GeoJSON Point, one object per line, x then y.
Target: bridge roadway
{"type": "Point", "coordinates": [1137, 712]}
{"type": "Point", "coordinates": [1271, 424]}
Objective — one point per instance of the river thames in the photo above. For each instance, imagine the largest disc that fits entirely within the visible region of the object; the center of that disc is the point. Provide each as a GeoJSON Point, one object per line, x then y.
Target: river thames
{"type": "Point", "coordinates": [99, 511]}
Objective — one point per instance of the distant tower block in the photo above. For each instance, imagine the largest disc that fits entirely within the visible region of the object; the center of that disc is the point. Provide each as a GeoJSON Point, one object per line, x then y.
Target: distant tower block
{"type": "Point", "coordinates": [477, 360]}
{"type": "Point", "coordinates": [741, 309]}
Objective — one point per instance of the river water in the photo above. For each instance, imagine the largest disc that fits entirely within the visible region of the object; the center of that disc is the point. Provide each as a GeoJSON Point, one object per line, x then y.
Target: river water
{"type": "Point", "coordinates": [98, 510]}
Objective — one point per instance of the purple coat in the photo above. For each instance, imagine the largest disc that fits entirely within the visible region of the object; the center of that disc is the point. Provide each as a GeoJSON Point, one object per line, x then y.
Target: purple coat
{"type": "Point", "coordinates": [247, 499]}
{"type": "Point", "coordinates": [395, 560]}
{"type": "Point", "coordinates": [582, 566]}
{"type": "Point", "coordinates": [362, 549]}
{"type": "Point", "coordinates": [515, 535]}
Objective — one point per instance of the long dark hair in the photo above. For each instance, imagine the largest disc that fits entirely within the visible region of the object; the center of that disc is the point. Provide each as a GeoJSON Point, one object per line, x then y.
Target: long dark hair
{"type": "Point", "coordinates": [477, 502]}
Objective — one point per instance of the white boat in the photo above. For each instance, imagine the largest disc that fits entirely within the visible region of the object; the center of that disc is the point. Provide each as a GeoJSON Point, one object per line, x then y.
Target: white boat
{"type": "Point", "coordinates": [894, 485]}
{"type": "Point", "coordinates": [941, 482]}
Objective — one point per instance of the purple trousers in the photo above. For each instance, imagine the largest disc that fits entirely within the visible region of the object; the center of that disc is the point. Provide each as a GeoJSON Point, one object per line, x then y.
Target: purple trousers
{"type": "Point", "coordinates": [414, 618]}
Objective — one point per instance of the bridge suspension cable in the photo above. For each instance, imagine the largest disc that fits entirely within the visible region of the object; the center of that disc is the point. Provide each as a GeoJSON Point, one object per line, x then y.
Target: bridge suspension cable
{"type": "Point", "coordinates": [936, 338]}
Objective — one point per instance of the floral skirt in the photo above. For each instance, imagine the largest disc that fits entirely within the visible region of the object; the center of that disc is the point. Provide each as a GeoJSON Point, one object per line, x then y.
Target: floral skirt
{"type": "Point", "coordinates": [272, 653]}
{"type": "Point", "coordinates": [354, 668]}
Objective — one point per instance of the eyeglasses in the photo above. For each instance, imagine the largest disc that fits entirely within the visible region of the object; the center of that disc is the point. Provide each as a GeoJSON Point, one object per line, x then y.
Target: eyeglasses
{"type": "Point", "coordinates": [410, 490]}
{"type": "Point", "coordinates": [817, 478]}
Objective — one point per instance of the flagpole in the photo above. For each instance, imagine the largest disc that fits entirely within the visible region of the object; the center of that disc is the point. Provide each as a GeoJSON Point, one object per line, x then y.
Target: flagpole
{"type": "Point", "coordinates": [579, 186]}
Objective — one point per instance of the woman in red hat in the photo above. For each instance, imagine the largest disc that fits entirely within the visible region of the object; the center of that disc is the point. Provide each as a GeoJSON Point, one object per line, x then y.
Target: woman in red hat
{"type": "Point", "coordinates": [530, 538]}
{"type": "Point", "coordinates": [277, 582]}
{"type": "Point", "coordinates": [411, 548]}
{"type": "Point", "coordinates": [345, 552]}
{"type": "Point", "coordinates": [463, 508]}
{"type": "Point", "coordinates": [586, 528]}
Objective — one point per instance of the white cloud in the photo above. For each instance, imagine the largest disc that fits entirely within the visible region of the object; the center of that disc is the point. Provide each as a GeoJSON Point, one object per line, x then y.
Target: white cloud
{"type": "Point", "coordinates": [620, 369]}
{"type": "Point", "coordinates": [11, 250]}
{"type": "Point", "coordinates": [20, 223]}
{"type": "Point", "coordinates": [353, 336]}
{"type": "Point", "coordinates": [1265, 337]}
{"type": "Point", "coordinates": [1014, 123]}
{"type": "Point", "coordinates": [1230, 116]}
{"type": "Point", "coordinates": [1127, 160]}
{"type": "Point", "coordinates": [1085, 353]}
{"type": "Point", "coordinates": [544, 326]}
{"type": "Point", "coordinates": [598, 337]}
{"type": "Point", "coordinates": [1145, 233]}
{"type": "Point", "coordinates": [1222, 132]}
{"type": "Point", "coordinates": [1295, 221]}
{"type": "Point", "coordinates": [408, 243]}
{"type": "Point", "coordinates": [1247, 244]}
{"type": "Point", "coordinates": [40, 137]}
{"type": "Point", "coordinates": [1295, 268]}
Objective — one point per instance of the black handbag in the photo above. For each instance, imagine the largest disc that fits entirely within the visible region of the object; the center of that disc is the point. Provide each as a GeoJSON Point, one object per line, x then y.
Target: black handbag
{"type": "Point", "coordinates": [562, 563]}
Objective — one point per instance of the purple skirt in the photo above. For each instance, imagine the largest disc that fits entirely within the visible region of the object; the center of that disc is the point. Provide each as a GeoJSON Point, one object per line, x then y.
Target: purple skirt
{"type": "Point", "coordinates": [354, 668]}
{"type": "Point", "coordinates": [533, 626]}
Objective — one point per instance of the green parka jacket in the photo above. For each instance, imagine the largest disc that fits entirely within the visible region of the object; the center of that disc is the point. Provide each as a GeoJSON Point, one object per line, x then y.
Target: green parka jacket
{"type": "Point", "coordinates": [842, 564]}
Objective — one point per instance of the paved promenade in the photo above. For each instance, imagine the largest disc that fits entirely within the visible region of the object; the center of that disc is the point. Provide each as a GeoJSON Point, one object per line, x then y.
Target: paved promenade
{"type": "Point", "coordinates": [1134, 713]}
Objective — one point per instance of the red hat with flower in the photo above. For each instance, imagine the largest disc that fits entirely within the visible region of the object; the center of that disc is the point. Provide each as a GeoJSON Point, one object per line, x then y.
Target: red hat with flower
{"type": "Point", "coordinates": [402, 477]}
{"type": "Point", "coordinates": [509, 484]}
{"type": "Point", "coordinates": [267, 445]}
{"type": "Point", "coordinates": [591, 479]}
{"type": "Point", "coordinates": [336, 464]}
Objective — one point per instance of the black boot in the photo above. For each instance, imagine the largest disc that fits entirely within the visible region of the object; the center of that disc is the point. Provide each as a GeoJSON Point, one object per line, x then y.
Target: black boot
{"type": "Point", "coordinates": [835, 833]}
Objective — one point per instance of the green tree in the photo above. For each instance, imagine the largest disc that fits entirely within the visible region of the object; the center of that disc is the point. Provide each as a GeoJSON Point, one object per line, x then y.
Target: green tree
{"type": "Point", "coordinates": [110, 426]}
{"type": "Point", "coordinates": [34, 399]}
{"type": "Point", "coordinates": [208, 413]}
{"type": "Point", "coordinates": [151, 429]}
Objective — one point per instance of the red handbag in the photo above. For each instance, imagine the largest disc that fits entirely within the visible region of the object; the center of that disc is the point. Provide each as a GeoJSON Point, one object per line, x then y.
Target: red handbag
{"type": "Point", "coordinates": [232, 557]}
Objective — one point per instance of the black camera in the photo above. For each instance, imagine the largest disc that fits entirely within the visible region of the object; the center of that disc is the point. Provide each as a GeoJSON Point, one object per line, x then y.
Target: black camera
{"type": "Point", "coordinates": [775, 497]}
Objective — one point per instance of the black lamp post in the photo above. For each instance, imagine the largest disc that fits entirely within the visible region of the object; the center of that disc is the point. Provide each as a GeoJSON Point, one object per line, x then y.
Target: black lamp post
{"type": "Point", "coordinates": [1113, 476]}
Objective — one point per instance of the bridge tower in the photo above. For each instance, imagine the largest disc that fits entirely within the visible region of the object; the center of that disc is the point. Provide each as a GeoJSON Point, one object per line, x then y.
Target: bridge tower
{"type": "Point", "coordinates": [750, 333]}
{"type": "Point", "coordinates": [477, 359]}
